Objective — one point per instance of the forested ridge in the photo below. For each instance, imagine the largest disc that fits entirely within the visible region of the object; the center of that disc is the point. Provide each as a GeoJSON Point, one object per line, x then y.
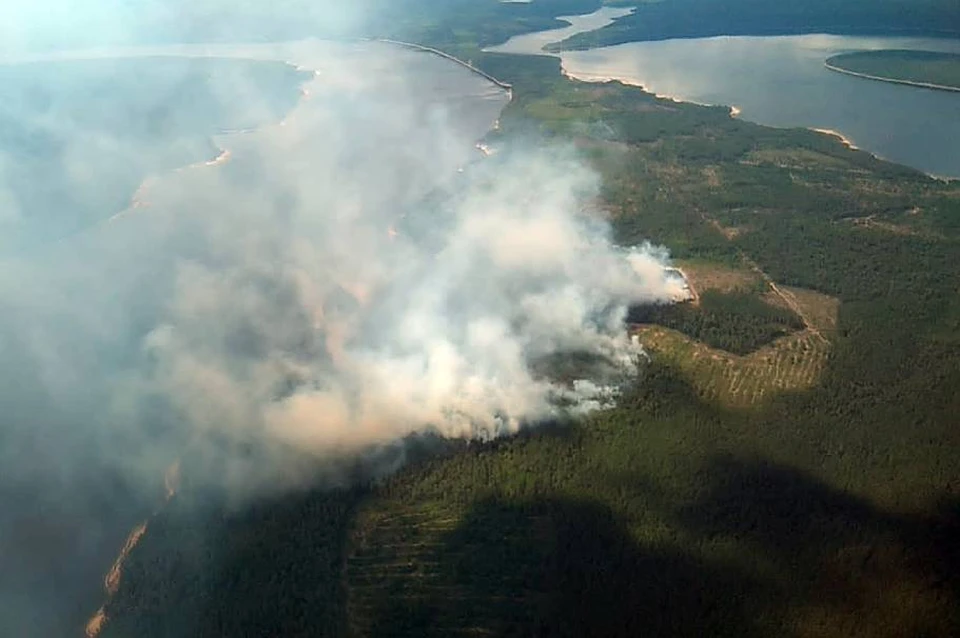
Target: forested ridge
{"type": "Point", "coordinates": [707, 18]}
{"type": "Point", "coordinates": [829, 509]}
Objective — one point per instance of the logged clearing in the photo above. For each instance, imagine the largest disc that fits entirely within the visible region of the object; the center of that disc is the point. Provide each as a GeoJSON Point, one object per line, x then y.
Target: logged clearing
{"type": "Point", "coordinates": [706, 276]}
{"type": "Point", "coordinates": [399, 563]}
{"type": "Point", "coordinates": [790, 363]}
{"type": "Point", "coordinates": [819, 310]}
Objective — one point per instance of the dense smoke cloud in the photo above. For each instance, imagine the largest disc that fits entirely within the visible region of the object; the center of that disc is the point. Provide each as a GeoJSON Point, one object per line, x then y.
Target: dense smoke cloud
{"type": "Point", "coordinates": [336, 284]}
{"type": "Point", "coordinates": [333, 332]}
{"type": "Point", "coordinates": [331, 284]}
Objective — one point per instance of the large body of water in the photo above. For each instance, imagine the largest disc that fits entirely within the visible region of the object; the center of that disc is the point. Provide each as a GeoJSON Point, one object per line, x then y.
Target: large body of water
{"type": "Point", "coordinates": [81, 130]}
{"type": "Point", "coordinates": [781, 81]}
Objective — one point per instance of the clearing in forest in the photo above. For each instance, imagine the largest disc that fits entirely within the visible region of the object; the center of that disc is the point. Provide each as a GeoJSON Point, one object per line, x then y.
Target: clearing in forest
{"type": "Point", "coordinates": [791, 362]}
{"type": "Point", "coordinates": [401, 573]}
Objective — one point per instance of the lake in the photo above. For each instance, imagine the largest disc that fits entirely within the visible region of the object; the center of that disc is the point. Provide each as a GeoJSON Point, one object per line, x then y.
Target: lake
{"type": "Point", "coordinates": [781, 81]}
{"type": "Point", "coordinates": [81, 131]}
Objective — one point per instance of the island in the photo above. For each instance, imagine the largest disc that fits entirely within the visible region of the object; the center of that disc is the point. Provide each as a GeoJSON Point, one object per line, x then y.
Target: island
{"type": "Point", "coordinates": [926, 69]}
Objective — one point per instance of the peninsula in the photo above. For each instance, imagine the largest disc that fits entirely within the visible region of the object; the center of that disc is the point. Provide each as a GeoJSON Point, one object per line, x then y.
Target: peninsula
{"type": "Point", "coordinates": [925, 69]}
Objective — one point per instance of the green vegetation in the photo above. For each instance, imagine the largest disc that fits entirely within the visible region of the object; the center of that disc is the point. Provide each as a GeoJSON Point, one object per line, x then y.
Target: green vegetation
{"type": "Point", "coordinates": [810, 488]}
{"type": "Point", "coordinates": [738, 322]}
{"type": "Point", "coordinates": [791, 363]}
{"type": "Point", "coordinates": [466, 26]}
{"type": "Point", "coordinates": [924, 67]}
{"type": "Point", "coordinates": [706, 18]}
{"type": "Point", "coordinates": [211, 573]}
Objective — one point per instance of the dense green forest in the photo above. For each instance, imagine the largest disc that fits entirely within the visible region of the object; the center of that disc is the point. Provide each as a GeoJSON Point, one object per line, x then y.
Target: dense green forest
{"type": "Point", "coordinates": [927, 67]}
{"type": "Point", "coordinates": [831, 509]}
{"type": "Point", "coordinates": [706, 18]}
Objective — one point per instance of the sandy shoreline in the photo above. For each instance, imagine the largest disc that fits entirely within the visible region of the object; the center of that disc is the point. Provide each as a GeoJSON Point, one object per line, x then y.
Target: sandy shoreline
{"type": "Point", "coordinates": [273, 52]}
{"type": "Point", "coordinates": [846, 141]}
{"type": "Point", "coordinates": [735, 112]}
{"type": "Point", "coordinates": [100, 618]}
{"type": "Point", "coordinates": [295, 54]}
{"type": "Point", "coordinates": [880, 78]}
{"type": "Point", "coordinates": [606, 67]}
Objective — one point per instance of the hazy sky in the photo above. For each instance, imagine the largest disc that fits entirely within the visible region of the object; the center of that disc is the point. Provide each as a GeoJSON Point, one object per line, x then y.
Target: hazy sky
{"type": "Point", "coordinates": [43, 24]}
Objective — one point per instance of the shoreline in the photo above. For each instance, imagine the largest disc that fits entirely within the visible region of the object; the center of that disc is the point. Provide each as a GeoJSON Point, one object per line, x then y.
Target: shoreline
{"type": "Point", "coordinates": [607, 15]}
{"type": "Point", "coordinates": [735, 112]}
{"type": "Point", "coordinates": [602, 79]}
{"type": "Point", "coordinates": [843, 138]}
{"type": "Point", "coordinates": [880, 78]}
{"type": "Point", "coordinates": [223, 151]}
{"type": "Point", "coordinates": [443, 54]}
{"type": "Point", "coordinates": [272, 52]}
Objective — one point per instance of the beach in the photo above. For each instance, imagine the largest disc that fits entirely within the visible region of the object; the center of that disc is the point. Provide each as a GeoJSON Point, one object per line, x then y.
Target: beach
{"type": "Point", "coordinates": [880, 78]}
{"type": "Point", "coordinates": [846, 141]}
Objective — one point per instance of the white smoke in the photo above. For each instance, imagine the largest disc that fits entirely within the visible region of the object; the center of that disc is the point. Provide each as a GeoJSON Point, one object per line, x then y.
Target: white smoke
{"type": "Point", "coordinates": [338, 285]}
{"type": "Point", "coordinates": [380, 337]}
{"type": "Point", "coordinates": [327, 288]}
{"type": "Point", "coordinates": [330, 334]}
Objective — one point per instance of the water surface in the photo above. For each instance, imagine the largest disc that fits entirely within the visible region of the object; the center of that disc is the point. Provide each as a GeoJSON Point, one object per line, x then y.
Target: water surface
{"type": "Point", "coordinates": [85, 135]}
{"type": "Point", "coordinates": [532, 43]}
{"type": "Point", "coordinates": [781, 81]}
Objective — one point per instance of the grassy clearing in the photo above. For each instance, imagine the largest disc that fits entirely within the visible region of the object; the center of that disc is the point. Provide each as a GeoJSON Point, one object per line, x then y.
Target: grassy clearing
{"type": "Point", "coordinates": [703, 275]}
{"type": "Point", "coordinates": [819, 309]}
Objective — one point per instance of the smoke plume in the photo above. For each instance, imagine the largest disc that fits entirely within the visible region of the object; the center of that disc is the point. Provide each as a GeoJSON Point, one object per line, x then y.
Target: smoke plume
{"type": "Point", "coordinates": [314, 291]}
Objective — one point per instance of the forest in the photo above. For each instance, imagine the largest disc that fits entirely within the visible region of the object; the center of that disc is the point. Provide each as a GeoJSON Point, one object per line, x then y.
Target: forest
{"type": "Point", "coordinates": [831, 509]}
{"type": "Point", "coordinates": [738, 322]}
{"type": "Point", "coordinates": [707, 18]}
